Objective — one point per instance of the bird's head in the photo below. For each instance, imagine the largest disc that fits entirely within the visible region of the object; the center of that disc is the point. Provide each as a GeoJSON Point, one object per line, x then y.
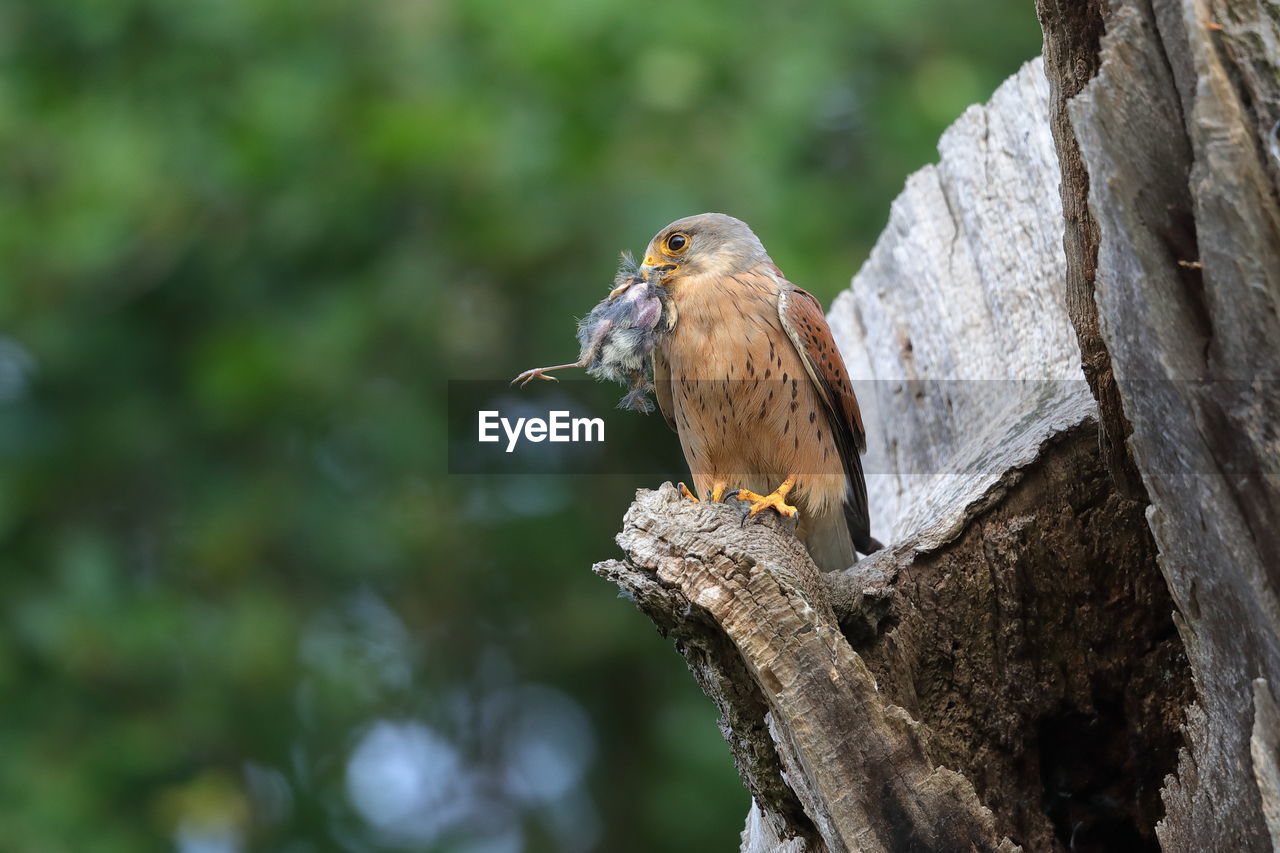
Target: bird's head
{"type": "Point", "coordinates": [706, 244]}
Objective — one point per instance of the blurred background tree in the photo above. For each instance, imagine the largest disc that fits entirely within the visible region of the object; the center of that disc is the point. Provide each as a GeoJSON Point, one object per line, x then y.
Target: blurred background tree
{"type": "Point", "coordinates": [243, 246]}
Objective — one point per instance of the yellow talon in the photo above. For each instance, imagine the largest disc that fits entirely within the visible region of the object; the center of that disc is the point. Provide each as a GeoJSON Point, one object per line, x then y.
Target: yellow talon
{"type": "Point", "coordinates": [715, 493]}
{"type": "Point", "coordinates": [777, 500]}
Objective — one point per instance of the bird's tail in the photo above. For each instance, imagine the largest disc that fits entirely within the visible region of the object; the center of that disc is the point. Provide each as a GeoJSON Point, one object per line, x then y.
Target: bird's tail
{"type": "Point", "coordinates": [829, 542]}
{"type": "Point", "coordinates": [857, 518]}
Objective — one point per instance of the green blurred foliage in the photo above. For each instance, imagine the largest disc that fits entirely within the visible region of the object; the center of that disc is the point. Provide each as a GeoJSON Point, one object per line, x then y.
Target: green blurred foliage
{"type": "Point", "coordinates": [243, 244]}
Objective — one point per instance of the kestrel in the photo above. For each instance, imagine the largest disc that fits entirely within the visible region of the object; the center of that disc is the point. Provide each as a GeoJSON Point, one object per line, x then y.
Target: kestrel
{"type": "Point", "coordinates": [747, 374]}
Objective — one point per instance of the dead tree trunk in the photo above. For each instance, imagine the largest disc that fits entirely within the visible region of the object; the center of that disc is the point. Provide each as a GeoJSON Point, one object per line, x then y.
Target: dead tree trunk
{"type": "Point", "coordinates": [1176, 134]}
{"type": "Point", "coordinates": [1071, 641]}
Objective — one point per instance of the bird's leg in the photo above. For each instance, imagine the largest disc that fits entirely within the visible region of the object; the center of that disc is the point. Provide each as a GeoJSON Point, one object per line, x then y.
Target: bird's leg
{"type": "Point", "coordinates": [777, 500]}
{"type": "Point", "coordinates": [541, 373]}
{"type": "Point", "coordinates": [715, 493]}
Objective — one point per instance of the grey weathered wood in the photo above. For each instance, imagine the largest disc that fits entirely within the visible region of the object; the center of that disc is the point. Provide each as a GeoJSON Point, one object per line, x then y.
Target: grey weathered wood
{"type": "Point", "coordinates": [955, 329]}
{"type": "Point", "coordinates": [1046, 607]}
{"type": "Point", "coordinates": [958, 654]}
{"type": "Point", "coordinates": [1174, 132]}
{"type": "Point", "coordinates": [1264, 749]}
{"type": "Point", "coordinates": [855, 761]}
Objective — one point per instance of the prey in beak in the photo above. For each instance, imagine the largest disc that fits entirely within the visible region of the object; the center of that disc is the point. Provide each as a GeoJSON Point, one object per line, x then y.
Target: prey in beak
{"type": "Point", "coordinates": [619, 335]}
{"type": "Point", "coordinates": [650, 272]}
{"type": "Point", "coordinates": [653, 267]}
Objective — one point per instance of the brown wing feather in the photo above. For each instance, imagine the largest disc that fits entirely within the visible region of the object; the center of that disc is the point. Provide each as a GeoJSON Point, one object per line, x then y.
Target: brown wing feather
{"type": "Point", "coordinates": [806, 326]}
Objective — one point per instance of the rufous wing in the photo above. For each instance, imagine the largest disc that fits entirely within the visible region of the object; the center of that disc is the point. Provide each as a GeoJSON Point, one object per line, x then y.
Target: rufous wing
{"type": "Point", "coordinates": [806, 326]}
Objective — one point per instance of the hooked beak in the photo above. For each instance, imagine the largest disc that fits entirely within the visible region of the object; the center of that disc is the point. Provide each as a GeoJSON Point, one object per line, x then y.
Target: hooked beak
{"type": "Point", "coordinates": [653, 270]}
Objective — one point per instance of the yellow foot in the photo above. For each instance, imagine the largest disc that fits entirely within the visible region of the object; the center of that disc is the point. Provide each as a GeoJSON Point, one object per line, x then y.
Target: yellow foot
{"type": "Point", "coordinates": [777, 500]}
{"type": "Point", "coordinates": [715, 494]}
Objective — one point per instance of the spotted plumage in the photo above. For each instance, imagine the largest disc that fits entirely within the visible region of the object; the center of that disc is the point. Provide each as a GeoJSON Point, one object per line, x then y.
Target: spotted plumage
{"type": "Point", "coordinates": [752, 382]}
{"type": "Point", "coordinates": [746, 372]}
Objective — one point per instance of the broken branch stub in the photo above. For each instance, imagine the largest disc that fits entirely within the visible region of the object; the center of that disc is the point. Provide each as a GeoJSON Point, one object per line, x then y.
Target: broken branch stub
{"type": "Point", "coordinates": [828, 760]}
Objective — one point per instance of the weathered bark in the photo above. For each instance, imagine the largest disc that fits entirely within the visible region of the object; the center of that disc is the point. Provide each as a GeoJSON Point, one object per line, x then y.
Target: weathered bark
{"type": "Point", "coordinates": [810, 714]}
{"type": "Point", "coordinates": [1031, 665]}
{"type": "Point", "coordinates": [1072, 30]}
{"type": "Point", "coordinates": [954, 330]}
{"type": "Point", "coordinates": [1078, 306]}
{"type": "Point", "coordinates": [1176, 132]}
{"type": "Point", "coordinates": [1039, 655]}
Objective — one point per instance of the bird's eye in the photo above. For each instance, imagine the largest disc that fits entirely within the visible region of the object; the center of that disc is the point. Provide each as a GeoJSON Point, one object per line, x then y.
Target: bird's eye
{"type": "Point", "coordinates": [677, 243]}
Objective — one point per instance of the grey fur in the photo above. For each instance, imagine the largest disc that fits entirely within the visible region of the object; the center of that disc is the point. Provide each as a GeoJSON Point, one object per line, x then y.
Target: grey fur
{"type": "Point", "coordinates": [620, 333]}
